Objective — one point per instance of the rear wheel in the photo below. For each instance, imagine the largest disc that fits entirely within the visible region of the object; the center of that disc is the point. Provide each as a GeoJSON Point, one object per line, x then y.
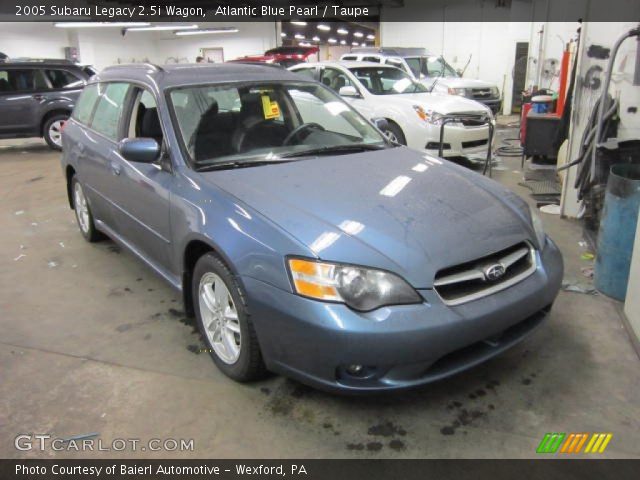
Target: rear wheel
{"type": "Point", "coordinates": [83, 212]}
{"type": "Point", "coordinates": [224, 321]}
{"type": "Point", "coordinates": [52, 130]}
{"type": "Point", "coordinates": [394, 133]}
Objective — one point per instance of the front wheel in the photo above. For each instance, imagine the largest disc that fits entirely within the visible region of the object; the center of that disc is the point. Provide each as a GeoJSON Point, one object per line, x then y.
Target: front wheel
{"type": "Point", "coordinates": [224, 321]}
{"type": "Point", "coordinates": [52, 130]}
{"type": "Point", "coordinates": [394, 133]}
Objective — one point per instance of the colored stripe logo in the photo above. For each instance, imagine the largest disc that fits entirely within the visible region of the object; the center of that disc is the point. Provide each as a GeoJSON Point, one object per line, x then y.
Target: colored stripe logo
{"type": "Point", "coordinates": [574, 443]}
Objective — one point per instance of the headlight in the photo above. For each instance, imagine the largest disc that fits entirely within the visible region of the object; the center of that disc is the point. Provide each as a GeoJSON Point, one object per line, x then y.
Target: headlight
{"type": "Point", "coordinates": [429, 116]}
{"type": "Point", "coordinates": [360, 288]}
{"type": "Point", "coordinates": [458, 91]}
{"type": "Point", "coordinates": [537, 226]}
{"type": "Point", "coordinates": [495, 92]}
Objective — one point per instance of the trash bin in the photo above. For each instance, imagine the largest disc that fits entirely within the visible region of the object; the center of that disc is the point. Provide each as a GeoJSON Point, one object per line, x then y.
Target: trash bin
{"type": "Point", "coordinates": [617, 230]}
{"type": "Point", "coordinates": [541, 103]}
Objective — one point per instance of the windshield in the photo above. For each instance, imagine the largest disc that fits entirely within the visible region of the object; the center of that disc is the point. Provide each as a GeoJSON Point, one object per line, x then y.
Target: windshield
{"type": "Point", "coordinates": [386, 81]}
{"type": "Point", "coordinates": [265, 122]}
{"type": "Point", "coordinates": [430, 67]}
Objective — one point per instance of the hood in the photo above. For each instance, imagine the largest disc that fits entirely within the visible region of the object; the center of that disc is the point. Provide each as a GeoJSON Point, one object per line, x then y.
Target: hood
{"type": "Point", "coordinates": [443, 103]}
{"type": "Point", "coordinates": [393, 209]}
{"type": "Point", "coordinates": [461, 82]}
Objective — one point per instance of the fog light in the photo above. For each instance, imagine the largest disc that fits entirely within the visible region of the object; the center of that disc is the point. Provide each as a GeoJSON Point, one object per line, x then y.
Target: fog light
{"type": "Point", "coordinates": [354, 369]}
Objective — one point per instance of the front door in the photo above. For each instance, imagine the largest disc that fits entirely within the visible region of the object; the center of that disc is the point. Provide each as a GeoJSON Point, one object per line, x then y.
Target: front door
{"type": "Point", "coordinates": [143, 189]}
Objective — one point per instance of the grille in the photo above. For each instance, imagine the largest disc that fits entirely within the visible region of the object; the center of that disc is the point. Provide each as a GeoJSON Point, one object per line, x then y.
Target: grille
{"type": "Point", "coordinates": [471, 280]}
{"type": "Point", "coordinates": [475, 143]}
{"type": "Point", "coordinates": [482, 93]}
{"type": "Point", "coordinates": [469, 119]}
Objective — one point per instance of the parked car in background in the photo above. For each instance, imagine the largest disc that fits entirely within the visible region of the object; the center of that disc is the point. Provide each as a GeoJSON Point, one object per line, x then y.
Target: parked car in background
{"type": "Point", "coordinates": [37, 97]}
{"type": "Point", "coordinates": [414, 116]}
{"type": "Point", "coordinates": [432, 71]}
{"type": "Point", "coordinates": [304, 242]}
{"type": "Point", "coordinates": [283, 56]}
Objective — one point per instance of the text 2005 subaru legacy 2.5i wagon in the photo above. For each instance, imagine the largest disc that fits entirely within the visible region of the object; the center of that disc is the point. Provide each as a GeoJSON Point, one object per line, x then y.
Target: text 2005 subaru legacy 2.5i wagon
{"type": "Point", "coordinates": [302, 240]}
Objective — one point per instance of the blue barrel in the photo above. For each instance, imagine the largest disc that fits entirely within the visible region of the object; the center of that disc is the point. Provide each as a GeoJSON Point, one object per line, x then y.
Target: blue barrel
{"type": "Point", "coordinates": [617, 230]}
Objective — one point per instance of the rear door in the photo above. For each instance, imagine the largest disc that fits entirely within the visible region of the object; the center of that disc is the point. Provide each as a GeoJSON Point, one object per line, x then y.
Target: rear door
{"type": "Point", "coordinates": [98, 150]}
{"type": "Point", "coordinates": [21, 94]}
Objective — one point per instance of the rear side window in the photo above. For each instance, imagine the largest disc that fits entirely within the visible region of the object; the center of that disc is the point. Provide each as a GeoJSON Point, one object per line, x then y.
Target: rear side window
{"type": "Point", "coordinates": [86, 102]}
{"type": "Point", "coordinates": [109, 110]}
{"type": "Point", "coordinates": [22, 80]}
{"type": "Point", "coordinates": [349, 57]}
{"type": "Point", "coordinates": [62, 79]}
{"type": "Point", "coordinates": [371, 59]}
{"type": "Point", "coordinates": [306, 72]}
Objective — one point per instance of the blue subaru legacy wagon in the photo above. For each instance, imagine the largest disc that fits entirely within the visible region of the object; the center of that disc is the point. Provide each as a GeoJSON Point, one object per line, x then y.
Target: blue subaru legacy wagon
{"type": "Point", "coordinates": [302, 240]}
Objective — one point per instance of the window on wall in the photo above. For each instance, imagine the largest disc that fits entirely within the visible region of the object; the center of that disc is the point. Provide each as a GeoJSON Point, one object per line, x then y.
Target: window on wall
{"type": "Point", "coordinates": [86, 102]}
{"type": "Point", "coordinates": [109, 110]}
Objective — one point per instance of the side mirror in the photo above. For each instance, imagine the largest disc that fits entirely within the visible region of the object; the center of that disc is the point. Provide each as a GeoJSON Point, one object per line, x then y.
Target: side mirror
{"type": "Point", "coordinates": [348, 91]}
{"type": "Point", "coordinates": [459, 72]}
{"type": "Point", "coordinates": [143, 150]}
{"type": "Point", "coordinates": [381, 123]}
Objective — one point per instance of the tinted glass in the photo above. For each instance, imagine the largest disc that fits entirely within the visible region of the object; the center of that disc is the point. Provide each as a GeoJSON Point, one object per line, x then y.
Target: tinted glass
{"type": "Point", "coordinates": [22, 80]}
{"type": "Point", "coordinates": [86, 102]}
{"type": "Point", "coordinates": [334, 79]}
{"type": "Point", "coordinates": [306, 72]}
{"type": "Point", "coordinates": [63, 79]}
{"type": "Point", "coordinates": [109, 109]}
{"type": "Point", "coordinates": [386, 81]}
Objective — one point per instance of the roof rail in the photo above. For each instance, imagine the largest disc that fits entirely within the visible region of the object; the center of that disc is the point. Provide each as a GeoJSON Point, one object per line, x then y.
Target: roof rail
{"type": "Point", "coordinates": [135, 65]}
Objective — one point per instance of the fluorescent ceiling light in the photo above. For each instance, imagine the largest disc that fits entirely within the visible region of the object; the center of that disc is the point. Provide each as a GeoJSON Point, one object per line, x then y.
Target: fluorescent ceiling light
{"type": "Point", "coordinates": [316, 39]}
{"type": "Point", "coordinates": [299, 37]}
{"type": "Point", "coordinates": [358, 34]}
{"type": "Point", "coordinates": [298, 22]}
{"type": "Point", "coordinates": [208, 31]}
{"type": "Point", "coordinates": [371, 37]}
{"type": "Point", "coordinates": [342, 31]}
{"type": "Point", "coordinates": [355, 44]}
{"type": "Point", "coordinates": [304, 44]}
{"type": "Point", "coordinates": [322, 26]}
{"type": "Point", "coordinates": [99, 24]}
{"type": "Point", "coordinates": [343, 42]}
{"type": "Point", "coordinates": [332, 40]}
{"type": "Point", "coordinates": [162, 27]}
{"type": "Point", "coordinates": [283, 34]}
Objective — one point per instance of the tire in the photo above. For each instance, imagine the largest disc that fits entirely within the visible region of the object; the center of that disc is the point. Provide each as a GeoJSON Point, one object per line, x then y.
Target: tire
{"type": "Point", "coordinates": [394, 133]}
{"type": "Point", "coordinates": [51, 130]}
{"type": "Point", "coordinates": [84, 217]}
{"type": "Point", "coordinates": [246, 364]}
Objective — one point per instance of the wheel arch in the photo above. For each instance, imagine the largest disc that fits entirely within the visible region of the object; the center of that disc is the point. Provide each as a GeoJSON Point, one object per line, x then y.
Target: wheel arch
{"type": "Point", "coordinates": [195, 248]}
{"type": "Point", "coordinates": [69, 172]}
{"type": "Point", "coordinates": [52, 113]}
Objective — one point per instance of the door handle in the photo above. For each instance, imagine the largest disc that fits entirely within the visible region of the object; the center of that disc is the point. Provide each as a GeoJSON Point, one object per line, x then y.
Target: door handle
{"type": "Point", "coordinates": [116, 169]}
{"type": "Point", "coordinates": [37, 97]}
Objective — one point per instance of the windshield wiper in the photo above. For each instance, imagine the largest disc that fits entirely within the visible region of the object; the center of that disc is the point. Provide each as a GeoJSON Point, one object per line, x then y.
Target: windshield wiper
{"type": "Point", "coordinates": [358, 147]}
{"type": "Point", "coordinates": [237, 164]}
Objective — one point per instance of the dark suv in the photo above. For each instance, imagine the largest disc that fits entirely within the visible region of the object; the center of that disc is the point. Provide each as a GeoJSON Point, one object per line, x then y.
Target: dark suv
{"type": "Point", "coordinates": [37, 97]}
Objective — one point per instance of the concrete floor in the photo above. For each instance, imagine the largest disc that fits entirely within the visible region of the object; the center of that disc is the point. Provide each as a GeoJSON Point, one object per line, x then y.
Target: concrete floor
{"type": "Point", "coordinates": [92, 341]}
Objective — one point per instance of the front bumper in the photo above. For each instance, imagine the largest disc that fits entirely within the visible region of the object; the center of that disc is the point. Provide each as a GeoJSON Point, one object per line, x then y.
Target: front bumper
{"type": "Point", "coordinates": [459, 141]}
{"type": "Point", "coordinates": [400, 346]}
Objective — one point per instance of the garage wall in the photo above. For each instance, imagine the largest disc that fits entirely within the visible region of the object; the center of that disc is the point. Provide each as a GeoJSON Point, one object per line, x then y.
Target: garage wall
{"type": "Point", "coordinates": [106, 46]}
{"type": "Point", "coordinates": [252, 39]}
{"type": "Point", "coordinates": [602, 34]}
{"type": "Point", "coordinates": [33, 40]}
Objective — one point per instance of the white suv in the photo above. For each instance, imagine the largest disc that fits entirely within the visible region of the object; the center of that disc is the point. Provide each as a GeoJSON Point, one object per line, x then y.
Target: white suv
{"type": "Point", "coordinates": [432, 71]}
{"type": "Point", "coordinates": [414, 116]}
